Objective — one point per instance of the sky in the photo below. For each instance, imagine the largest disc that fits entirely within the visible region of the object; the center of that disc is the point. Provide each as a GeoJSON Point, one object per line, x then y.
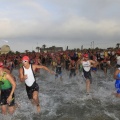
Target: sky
{"type": "Point", "coordinates": [26, 24]}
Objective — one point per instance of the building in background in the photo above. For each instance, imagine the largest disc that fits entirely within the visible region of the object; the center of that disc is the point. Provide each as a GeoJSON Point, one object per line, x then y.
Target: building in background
{"type": "Point", "coordinates": [5, 49]}
{"type": "Point", "coordinates": [51, 49]}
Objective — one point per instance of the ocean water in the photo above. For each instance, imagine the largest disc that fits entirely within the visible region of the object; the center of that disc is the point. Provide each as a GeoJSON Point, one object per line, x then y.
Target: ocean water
{"type": "Point", "coordinates": [67, 99]}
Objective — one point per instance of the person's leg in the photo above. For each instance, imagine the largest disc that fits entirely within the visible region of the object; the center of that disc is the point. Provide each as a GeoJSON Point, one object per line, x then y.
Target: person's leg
{"type": "Point", "coordinates": [4, 109]}
{"type": "Point", "coordinates": [74, 73]}
{"type": "Point", "coordinates": [61, 76]}
{"type": "Point", "coordinates": [11, 106]}
{"type": "Point", "coordinates": [88, 86]}
{"type": "Point", "coordinates": [36, 100]}
{"type": "Point", "coordinates": [117, 95]}
{"type": "Point", "coordinates": [56, 76]}
{"type": "Point", "coordinates": [70, 74]}
{"type": "Point", "coordinates": [105, 71]}
{"type": "Point", "coordinates": [32, 93]}
{"type": "Point", "coordinates": [11, 109]}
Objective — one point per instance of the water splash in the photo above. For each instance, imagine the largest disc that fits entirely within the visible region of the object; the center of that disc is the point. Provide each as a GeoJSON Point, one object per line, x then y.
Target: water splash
{"type": "Point", "coordinates": [67, 99]}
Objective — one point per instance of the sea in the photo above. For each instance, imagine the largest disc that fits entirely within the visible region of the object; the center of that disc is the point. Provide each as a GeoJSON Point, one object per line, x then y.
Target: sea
{"type": "Point", "coordinates": [67, 99]}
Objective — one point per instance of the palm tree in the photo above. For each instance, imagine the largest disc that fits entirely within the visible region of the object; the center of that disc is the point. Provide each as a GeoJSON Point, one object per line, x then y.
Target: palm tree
{"type": "Point", "coordinates": [118, 45]}
{"type": "Point", "coordinates": [44, 46]}
{"type": "Point", "coordinates": [38, 48]}
{"type": "Point", "coordinates": [26, 51]}
{"type": "Point", "coordinates": [17, 52]}
{"type": "Point", "coordinates": [10, 52]}
{"type": "Point", "coordinates": [33, 51]}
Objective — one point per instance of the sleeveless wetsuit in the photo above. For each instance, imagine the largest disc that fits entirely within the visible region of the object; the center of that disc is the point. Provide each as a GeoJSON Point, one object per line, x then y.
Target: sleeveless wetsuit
{"type": "Point", "coordinates": [6, 88]}
{"type": "Point", "coordinates": [30, 82]}
{"type": "Point", "coordinates": [73, 70]}
{"type": "Point", "coordinates": [58, 70]}
{"type": "Point", "coordinates": [86, 70]}
{"type": "Point", "coordinates": [117, 84]}
{"type": "Point", "coordinates": [104, 65]}
{"type": "Point", "coordinates": [67, 62]}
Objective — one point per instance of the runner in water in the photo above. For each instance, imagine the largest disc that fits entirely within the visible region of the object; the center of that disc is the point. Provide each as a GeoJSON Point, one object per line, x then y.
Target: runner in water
{"type": "Point", "coordinates": [87, 64]}
{"type": "Point", "coordinates": [104, 66]}
{"type": "Point", "coordinates": [95, 65]}
{"type": "Point", "coordinates": [79, 66]}
{"type": "Point", "coordinates": [53, 63]}
{"type": "Point", "coordinates": [72, 68]}
{"type": "Point", "coordinates": [118, 59]}
{"type": "Point", "coordinates": [7, 86]}
{"type": "Point", "coordinates": [117, 82]}
{"type": "Point", "coordinates": [59, 66]}
{"type": "Point", "coordinates": [67, 63]}
{"type": "Point", "coordinates": [26, 74]}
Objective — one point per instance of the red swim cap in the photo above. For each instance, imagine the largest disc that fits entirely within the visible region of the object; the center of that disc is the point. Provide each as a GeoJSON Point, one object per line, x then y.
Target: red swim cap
{"type": "Point", "coordinates": [26, 58]}
{"type": "Point", "coordinates": [85, 55]}
{"type": "Point", "coordinates": [1, 64]}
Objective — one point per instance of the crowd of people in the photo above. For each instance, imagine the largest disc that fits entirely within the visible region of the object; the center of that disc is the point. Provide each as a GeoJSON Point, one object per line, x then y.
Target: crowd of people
{"type": "Point", "coordinates": [73, 62]}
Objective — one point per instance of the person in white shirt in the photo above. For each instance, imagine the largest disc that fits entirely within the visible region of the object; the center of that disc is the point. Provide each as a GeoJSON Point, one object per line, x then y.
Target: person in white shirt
{"type": "Point", "coordinates": [26, 74]}
{"type": "Point", "coordinates": [87, 64]}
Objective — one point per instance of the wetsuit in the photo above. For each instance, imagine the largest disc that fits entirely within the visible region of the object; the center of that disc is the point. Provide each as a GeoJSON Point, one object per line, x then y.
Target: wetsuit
{"type": "Point", "coordinates": [72, 70]}
{"type": "Point", "coordinates": [87, 70]}
{"type": "Point", "coordinates": [58, 70]}
{"type": "Point", "coordinates": [30, 82]}
{"type": "Point", "coordinates": [67, 62]}
{"type": "Point", "coordinates": [117, 84]}
{"type": "Point", "coordinates": [104, 65]}
{"type": "Point", "coordinates": [6, 88]}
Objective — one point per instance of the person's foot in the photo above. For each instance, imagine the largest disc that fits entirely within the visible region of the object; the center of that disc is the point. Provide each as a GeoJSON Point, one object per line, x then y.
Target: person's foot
{"type": "Point", "coordinates": [116, 95]}
{"type": "Point", "coordinates": [87, 93]}
{"type": "Point", "coordinates": [113, 93]}
{"type": "Point", "coordinates": [61, 78]}
{"type": "Point", "coordinates": [33, 103]}
{"type": "Point", "coordinates": [38, 109]}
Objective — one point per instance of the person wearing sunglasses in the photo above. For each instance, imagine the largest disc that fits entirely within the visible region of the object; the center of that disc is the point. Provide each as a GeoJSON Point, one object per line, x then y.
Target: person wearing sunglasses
{"type": "Point", "coordinates": [26, 74]}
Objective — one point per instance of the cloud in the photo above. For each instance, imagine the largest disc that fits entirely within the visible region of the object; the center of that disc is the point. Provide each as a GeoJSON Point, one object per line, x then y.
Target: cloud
{"type": "Point", "coordinates": [61, 20]}
{"type": "Point", "coordinates": [73, 27]}
{"type": "Point", "coordinates": [37, 8]}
